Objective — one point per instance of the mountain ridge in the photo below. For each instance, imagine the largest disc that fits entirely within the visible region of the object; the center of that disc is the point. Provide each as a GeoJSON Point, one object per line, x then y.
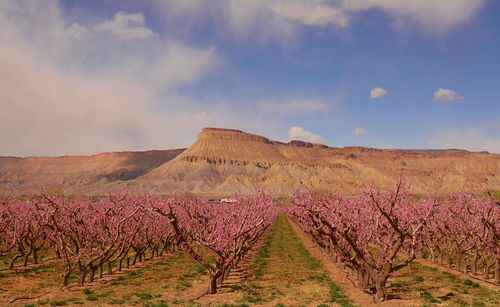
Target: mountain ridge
{"type": "Point", "coordinates": [225, 161]}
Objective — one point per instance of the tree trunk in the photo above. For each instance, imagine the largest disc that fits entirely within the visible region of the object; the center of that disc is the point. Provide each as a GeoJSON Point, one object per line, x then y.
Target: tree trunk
{"type": "Point", "coordinates": [225, 273]}
{"type": "Point", "coordinates": [497, 270]}
{"type": "Point", "coordinates": [163, 249]}
{"type": "Point", "coordinates": [64, 278]}
{"type": "Point", "coordinates": [109, 268]}
{"type": "Point", "coordinates": [432, 256]}
{"type": "Point", "coordinates": [135, 258]}
{"type": "Point", "coordinates": [363, 279]}
{"type": "Point", "coordinates": [100, 270]}
{"type": "Point", "coordinates": [92, 274]}
{"type": "Point", "coordinates": [128, 262]}
{"type": "Point", "coordinates": [35, 255]}
{"type": "Point", "coordinates": [12, 262]}
{"type": "Point", "coordinates": [83, 274]}
{"type": "Point", "coordinates": [473, 265]}
{"type": "Point", "coordinates": [212, 286]}
{"type": "Point", "coordinates": [458, 261]}
{"type": "Point", "coordinates": [26, 257]}
{"type": "Point", "coordinates": [380, 289]}
{"type": "Point", "coordinates": [486, 270]}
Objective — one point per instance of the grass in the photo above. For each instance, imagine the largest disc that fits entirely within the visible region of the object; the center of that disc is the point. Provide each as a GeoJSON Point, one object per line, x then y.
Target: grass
{"type": "Point", "coordinates": [152, 285]}
{"type": "Point", "coordinates": [285, 273]}
{"type": "Point", "coordinates": [186, 280]}
{"type": "Point", "coordinates": [434, 286]}
{"type": "Point", "coordinates": [58, 303]}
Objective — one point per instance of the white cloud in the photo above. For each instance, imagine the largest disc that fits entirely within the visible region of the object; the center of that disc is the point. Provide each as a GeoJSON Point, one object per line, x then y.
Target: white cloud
{"type": "Point", "coordinates": [176, 64]}
{"type": "Point", "coordinates": [378, 92]}
{"type": "Point", "coordinates": [69, 89]}
{"type": "Point", "coordinates": [446, 95]}
{"type": "Point", "coordinates": [127, 26]}
{"type": "Point", "coordinates": [289, 107]}
{"type": "Point", "coordinates": [359, 131]}
{"type": "Point", "coordinates": [311, 13]}
{"type": "Point", "coordinates": [432, 15]}
{"type": "Point", "coordinates": [283, 19]}
{"type": "Point", "coordinates": [473, 139]}
{"type": "Point", "coordinates": [299, 133]}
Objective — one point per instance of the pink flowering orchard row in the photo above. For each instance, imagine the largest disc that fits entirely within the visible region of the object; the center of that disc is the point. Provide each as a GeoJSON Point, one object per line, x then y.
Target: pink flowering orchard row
{"type": "Point", "coordinates": [467, 228]}
{"type": "Point", "coordinates": [376, 234]}
{"type": "Point", "coordinates": [227, 230]}
{"type": "Point", "coordinates": [87, 235]}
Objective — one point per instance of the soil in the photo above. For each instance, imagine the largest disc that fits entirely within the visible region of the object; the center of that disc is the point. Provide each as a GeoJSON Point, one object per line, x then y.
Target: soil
{"type": "Point", "coordinates": [477, 278]}
{"type": "Point", "coordinates": [356, 295]}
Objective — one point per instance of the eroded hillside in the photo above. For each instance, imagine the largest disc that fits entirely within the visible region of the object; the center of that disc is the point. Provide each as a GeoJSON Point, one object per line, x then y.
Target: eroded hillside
{"type": "Point", "coordinates": [224, 161]}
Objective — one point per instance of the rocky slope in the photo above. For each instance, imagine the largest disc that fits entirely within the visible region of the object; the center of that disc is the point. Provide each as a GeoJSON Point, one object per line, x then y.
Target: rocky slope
{"type": "Point", "coordinates": [224, 161]}
{"type": "Point", "coordinates": [78, 173]}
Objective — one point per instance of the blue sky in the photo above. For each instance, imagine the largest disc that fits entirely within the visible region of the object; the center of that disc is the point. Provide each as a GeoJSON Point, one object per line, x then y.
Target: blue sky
{"type": "Point", "coordinates": [82, 77]}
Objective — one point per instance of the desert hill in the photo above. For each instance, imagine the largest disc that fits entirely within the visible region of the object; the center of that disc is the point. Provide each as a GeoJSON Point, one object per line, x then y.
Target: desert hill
{"type": "Point", "coordinates": [224, 161]}
{"type": "Point", "coordinates": [78, 173]}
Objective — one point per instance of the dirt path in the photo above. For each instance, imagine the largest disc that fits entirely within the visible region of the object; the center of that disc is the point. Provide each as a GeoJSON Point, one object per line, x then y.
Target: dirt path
{"type": "Point", "coordinates": [244, 269]}
{"type": "Point", "coordinates": [357, 296]}
{"type": "Point", "coordinates": [228, 291]}
{"type": "Point", "coordinates": [151, 281]}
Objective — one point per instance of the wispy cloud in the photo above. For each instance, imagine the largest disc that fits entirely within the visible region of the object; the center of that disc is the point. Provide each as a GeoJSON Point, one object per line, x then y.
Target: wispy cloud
{"type": "Point", "coordinates": [290, 107]}
{"type": "Point", "coordinates": [311, 13]}
{"type": "Point", "coordinates": [301, 134]}
{"type": "Point", "coordinates": [359, 131]}
{"type": "Point", "coordinates": [435, 16]}
{"type": "Point", "coordinates": [70, 89]}
{"type": "Point", "coordinates": [127, 26]}
{"type": "Point", "coordinates": [378, 92]}
{"type": "Point", "coordinates": [278, 19]}
{"type": "Point", "coordinates": [473, 139]}
{"type": "Point", "coordinates": [446, 95]}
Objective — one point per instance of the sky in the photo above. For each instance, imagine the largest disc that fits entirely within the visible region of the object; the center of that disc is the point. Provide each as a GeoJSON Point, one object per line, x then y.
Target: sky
{"type": "Point", "coordinates": [83, 77]}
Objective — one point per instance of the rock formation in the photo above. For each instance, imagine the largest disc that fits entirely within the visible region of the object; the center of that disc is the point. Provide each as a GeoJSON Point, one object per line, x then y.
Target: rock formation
{"type": "Point", "coordinates": [77, 173]}
{"type": "Point", "coordinates": [224, 161]}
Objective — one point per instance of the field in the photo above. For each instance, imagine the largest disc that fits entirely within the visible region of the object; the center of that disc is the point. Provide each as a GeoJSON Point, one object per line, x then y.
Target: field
{"type": "Point", "coordinates": [143, 250]}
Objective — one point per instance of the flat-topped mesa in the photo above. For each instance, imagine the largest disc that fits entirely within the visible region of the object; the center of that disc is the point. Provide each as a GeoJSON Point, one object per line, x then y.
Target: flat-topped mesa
{"type": "Point", "coordinates": [296, 143]}
{"type": "Point", "coordinates": [222, 134]}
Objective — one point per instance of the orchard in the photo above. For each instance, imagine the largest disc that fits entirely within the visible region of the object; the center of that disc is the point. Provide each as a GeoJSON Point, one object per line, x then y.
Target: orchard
{"type": "Point", "coordinates": [90, 236]}
{"type": "Point", "coordinates": [371, 236]}
{"type": "Point", "coordinates": [378, 233]}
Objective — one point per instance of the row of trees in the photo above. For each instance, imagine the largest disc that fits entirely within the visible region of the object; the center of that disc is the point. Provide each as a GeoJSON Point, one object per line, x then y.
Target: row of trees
{"type": "Point", "coordinates": [88, 235]}
{"type": "Point", "coordinates": [378, 233]}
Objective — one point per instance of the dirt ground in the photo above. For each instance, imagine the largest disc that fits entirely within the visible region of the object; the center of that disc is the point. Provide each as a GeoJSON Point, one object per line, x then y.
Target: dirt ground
{"type": "Point", "coordinates": [284, 268]}
{"type": "Point", "coordinates": [358, 296]}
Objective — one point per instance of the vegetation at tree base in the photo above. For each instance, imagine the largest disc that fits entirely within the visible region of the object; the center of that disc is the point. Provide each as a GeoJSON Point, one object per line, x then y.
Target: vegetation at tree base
{"type": "Point", "coordinates": [91, 236]}
{"type": "Point", "coordinates": [373, 236]}
{"type": "Point", "coordinates": [377, 234]}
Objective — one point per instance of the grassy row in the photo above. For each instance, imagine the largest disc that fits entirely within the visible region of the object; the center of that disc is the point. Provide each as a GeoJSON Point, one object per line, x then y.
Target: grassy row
{"type": "Point", "coordinates": [436, 287]}
{"type": "Point", "coordinates": [285, 273]}
{"type": "Point", "coordinates": [160, 283]}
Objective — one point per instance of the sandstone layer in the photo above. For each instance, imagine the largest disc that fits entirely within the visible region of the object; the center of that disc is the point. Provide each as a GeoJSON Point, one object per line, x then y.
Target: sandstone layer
{"type": "Point", "coordinates": [78, 173]}
{"type": "Point", "coordinates": [225, 161]}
